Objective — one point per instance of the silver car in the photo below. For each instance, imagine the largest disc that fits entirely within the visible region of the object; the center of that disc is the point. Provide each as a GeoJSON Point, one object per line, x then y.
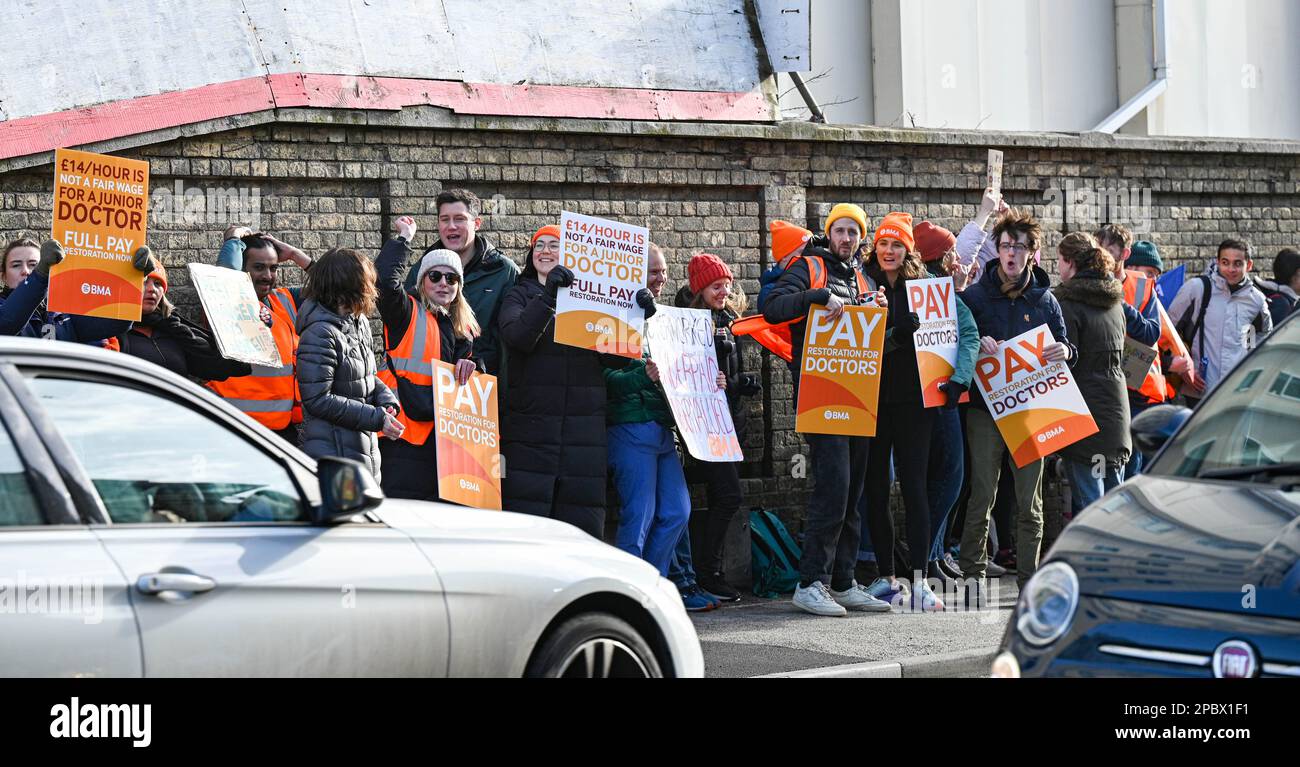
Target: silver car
{"type": "Point", "coordinates": [147, 528]}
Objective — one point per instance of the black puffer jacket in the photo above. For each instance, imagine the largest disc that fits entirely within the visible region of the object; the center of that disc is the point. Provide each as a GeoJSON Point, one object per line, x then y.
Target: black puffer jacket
{"type": "Point", "coordinates": [1093, 307]}
{"type": "Point", "coordinates": [553, 431]}
{"type": "Point", "coordinates": [342, 400]}
{"type": "Point", "coordinates": [900, 379]}
{"type": "Point", "coordinates": [168, 340]}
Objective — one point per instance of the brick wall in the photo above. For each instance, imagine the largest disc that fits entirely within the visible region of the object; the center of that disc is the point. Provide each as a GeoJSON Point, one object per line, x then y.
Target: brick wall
{"type": "Point", "coordinates": [697, 187]}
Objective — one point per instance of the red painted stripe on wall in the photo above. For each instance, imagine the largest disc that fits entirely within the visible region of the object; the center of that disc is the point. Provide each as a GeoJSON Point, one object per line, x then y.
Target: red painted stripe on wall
{"type": "Point", "coordinates": [77, 127]}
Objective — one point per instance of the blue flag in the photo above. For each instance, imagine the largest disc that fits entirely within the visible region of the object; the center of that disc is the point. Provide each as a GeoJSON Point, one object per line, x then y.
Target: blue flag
{"type": "Point", "coordinates": [1169, 283]}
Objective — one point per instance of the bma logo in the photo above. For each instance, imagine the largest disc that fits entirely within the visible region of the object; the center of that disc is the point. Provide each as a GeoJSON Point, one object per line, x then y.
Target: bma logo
{"type": "Point", "coordinates": [95, 290]}
{"type": "Point", "coordinates": [599, 327]}
{"type": "Point", "coordinates": [1234, 660]}
{"type": "Point", "coordinates": [1050, 433]}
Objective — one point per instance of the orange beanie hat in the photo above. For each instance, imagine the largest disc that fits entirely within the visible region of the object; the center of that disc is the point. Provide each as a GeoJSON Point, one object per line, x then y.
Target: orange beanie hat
{"type": "Point", "coordinates": [787, 238]}
{"type": "Point", "coordinates": [897, 226]}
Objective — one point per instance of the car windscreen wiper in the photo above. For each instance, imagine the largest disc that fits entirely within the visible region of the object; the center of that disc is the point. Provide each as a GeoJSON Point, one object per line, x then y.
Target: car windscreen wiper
{"type": "Point", "coordinates": [1260, 473]}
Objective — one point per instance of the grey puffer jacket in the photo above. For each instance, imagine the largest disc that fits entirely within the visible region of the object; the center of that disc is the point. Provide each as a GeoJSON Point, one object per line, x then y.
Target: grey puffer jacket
{"type": "Point", "coordinates": [342, 399]}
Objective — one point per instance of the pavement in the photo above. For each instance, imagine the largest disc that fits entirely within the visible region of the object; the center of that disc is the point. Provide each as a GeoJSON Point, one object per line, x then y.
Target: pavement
{"type": "Point", "coordinates": [772, 637]}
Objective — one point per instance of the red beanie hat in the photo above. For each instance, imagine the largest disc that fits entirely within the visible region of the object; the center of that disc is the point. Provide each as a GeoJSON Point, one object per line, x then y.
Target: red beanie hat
{"type": "Point", "coordinates": [896, 226]}
{"type": "Point", "coordinates": [706, 269]}
{"type": "Point", "coordinates": [933, 241]}
{"type": "Point", "coordinates": [550, 229]}
{"type": "Point", "coordinates": [786, 238]}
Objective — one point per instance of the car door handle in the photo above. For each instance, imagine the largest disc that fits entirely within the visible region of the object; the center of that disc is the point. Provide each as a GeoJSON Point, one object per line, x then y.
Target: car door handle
{"type": "Point", "coordinates": [157, 583]}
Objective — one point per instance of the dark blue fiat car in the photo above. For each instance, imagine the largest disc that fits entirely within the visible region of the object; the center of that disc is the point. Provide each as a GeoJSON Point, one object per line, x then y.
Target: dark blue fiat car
{"type": "Point", "coordinates": [1193, 568]}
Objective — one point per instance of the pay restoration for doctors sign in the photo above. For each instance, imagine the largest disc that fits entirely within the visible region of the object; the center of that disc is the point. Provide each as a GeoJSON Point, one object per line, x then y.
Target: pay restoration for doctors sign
{"type": "Point", "coordinates": [839, 376]}
{"type": "Point", "coordinates": [1035, 403]}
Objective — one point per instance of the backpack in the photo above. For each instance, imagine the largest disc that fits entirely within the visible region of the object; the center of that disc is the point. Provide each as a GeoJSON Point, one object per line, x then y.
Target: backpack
{"type": "Point", "coordinates": [774, 556]}
{"type": "Point", "coordinates": [775, 337]}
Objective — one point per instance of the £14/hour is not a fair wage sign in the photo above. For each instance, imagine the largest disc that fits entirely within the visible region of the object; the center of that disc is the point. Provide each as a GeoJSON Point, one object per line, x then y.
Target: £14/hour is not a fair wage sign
{"type": "Point", "coordinates": [101, 208]}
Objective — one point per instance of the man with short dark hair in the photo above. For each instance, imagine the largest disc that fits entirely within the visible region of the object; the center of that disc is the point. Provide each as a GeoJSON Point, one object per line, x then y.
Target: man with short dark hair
{"type": "Point", "coordinates": [270, 395]}
{"type": "Point", "coordinates": [488, 273]}
{"type": "Point", "coordinates": [1221, 314]}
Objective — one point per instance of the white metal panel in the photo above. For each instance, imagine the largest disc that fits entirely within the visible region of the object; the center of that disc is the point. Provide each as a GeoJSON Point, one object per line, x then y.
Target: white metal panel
{"type": "Point", "coordinates": [382, 38]}
{"type": "Point", "coordinates": [787, 34]}
{"type": "Point", "coordinates": [671, 44]}
{"type": "Point", "coordinates": [63, 55]}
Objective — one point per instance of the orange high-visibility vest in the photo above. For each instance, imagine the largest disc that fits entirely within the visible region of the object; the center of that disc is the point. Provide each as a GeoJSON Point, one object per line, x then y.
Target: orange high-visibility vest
{"type": "Point", "coordinates": [270, 395]}
{"type": "Point", "coordinates": [775, 337]}
{"type": "Point", "coordinates": [1139, 292]}
{"type": "Point", "coordinates": [412, 360]}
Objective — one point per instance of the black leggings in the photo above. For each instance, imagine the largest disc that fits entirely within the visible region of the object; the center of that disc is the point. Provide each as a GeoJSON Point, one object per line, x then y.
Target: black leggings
{"type": "Point", "coordinates": [709, 526]}
{"type": "Point", "coordinates": [905, 430]}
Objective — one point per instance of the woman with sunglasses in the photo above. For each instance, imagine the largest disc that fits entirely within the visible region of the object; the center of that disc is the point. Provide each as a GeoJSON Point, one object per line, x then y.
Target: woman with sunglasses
{"type": "Point", "coordinates": [431, 321]}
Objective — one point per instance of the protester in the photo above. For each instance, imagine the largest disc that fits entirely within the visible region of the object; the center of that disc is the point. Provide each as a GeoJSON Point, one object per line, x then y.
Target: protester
{"type": "Point", "coordinates": [1145, 323]}
{"type": "Point", "coordinates": [489, 275]}
{"type": "Point", "coordinates": [838, 463]}
{"type": "Point", "coordinates": [22, 302]}
{"type": "Point", "coordinates": [975, 249]}
{"type": "Point", "coordinates": [269, 395]}
{"type": "Point", "coordinates": [1010, 298]}
{"type": "Point", "coordinates": [1282, 291]}
{"type": "Point", "coordinates": [554, 429]}
{"type": "Point", "coordinates": [937, 247]}
{"type": "Point", "coordinates": [712, 287]}
{"type": "Point", "coordinates": [656, 503]}
{"type": "Point", "coordinates": [1092, 303]}
{"type": "Point", "coordinates": [431, 322]}
{"type": "Point", "coordinates": [168, 340]}
{"type": "Point", "coordinates": [903, 424]}
{"type": "Point", "coordinates": [1223, 329]}
{"type": "Point", "coordinates": [344, 402]}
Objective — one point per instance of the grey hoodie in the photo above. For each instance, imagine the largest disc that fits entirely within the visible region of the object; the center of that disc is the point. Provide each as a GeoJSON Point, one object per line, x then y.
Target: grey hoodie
{"type": "Point", "coordinates": [342, 399]}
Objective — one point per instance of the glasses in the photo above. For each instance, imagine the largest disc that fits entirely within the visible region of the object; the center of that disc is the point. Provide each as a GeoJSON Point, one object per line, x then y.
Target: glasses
{"type": "Point", "coordinates": [542, 247]}
{"type": "Point", "coordinates": [435, 276]}
{"type": "Point", "coordinates": [1018, 248]}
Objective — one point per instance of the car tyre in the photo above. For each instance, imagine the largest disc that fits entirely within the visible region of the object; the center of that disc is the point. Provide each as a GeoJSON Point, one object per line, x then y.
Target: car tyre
{"type": "Point", "coordinates": [594, 646]}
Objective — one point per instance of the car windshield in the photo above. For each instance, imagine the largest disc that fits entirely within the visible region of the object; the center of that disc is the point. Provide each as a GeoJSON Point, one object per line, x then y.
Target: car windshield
{"type": "Point", "coordinates": [1251, 419]}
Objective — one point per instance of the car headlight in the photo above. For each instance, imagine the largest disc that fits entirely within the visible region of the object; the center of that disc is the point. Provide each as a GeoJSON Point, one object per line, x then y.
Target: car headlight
{"type": "Point", "coordinates": [1048, 603]}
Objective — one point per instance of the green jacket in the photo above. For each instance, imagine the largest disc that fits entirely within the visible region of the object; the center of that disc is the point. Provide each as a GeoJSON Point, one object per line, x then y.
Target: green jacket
{"type": "Point", "coordinates": [634, 398]}
{"type": "Point", "coordinates": [968, 345]}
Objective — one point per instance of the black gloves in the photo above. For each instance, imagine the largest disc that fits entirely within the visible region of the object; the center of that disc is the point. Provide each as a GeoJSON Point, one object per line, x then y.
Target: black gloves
{"type": "Point", "coordinates": [51, 255]}
{"type": "Point", "coordinates": [141, 261]}
{"type": "Point", "coordinates": [646, 300]}
{"type": "Point", "coordinates": [906, 328]}
{"type": "Point", "coordinates": [749, 385]}
{"type": "Point", "coordinates": [953, 390]}
{"type": "Point", "coordinates": [560, 276]}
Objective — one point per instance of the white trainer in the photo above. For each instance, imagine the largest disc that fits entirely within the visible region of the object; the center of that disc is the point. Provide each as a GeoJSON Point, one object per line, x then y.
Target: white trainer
{"type": "Point", "coordinates": [816, 599]}
{"type": "Point", "coordinates": [856, 597]}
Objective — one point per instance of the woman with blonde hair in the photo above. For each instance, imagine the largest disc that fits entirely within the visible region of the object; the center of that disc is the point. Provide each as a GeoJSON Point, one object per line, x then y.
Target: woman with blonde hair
{"type": "Point", "coordinates": [431, 321]}
{"type": "Point", "coordinates": [344, 403]}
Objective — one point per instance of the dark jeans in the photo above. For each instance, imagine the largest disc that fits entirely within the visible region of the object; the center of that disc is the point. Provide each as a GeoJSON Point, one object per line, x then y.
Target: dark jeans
{"type": "Point", "coordinates": [906, 429]}
{"type": "Point", "coordinates": [709, 526]}
{"type": "Point", "coordinates": [947, 472]}
{"type": "Point", "coordinates": [831, 527]}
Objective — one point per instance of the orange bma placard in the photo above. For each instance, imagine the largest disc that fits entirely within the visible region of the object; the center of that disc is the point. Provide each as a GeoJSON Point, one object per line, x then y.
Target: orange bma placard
{"type": "Point", "coordinates": [469, 438]}
{"type": "Point", "coordinates": [839, 375]}
{"type": "Point", "coordinates": [101, 211]}
{"type": "Point", "coordinates": [1036, 404]}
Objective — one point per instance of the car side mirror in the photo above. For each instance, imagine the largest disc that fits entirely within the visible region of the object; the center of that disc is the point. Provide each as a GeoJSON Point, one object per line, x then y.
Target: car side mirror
{"type": "Point", "coordinates": [347, 488]}
{"type": "Point", "coordinates": [1153, 427]}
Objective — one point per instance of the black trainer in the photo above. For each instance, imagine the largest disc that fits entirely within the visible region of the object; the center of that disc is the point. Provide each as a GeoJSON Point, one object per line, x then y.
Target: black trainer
{"type": "Point", "coordinates": [717, 585]}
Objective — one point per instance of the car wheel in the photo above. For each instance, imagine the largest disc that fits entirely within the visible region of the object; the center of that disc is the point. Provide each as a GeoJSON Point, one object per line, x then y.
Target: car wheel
{"type": "Point", "coordinates": [594, 646]}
